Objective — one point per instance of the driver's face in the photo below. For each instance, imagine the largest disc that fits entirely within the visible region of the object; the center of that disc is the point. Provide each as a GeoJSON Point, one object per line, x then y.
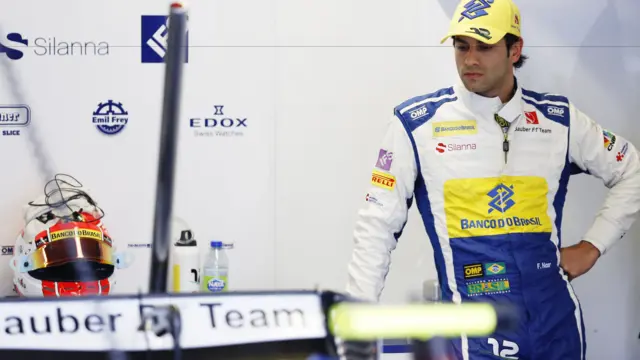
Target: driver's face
{"type": "Point", "coordinates": [483, 68]}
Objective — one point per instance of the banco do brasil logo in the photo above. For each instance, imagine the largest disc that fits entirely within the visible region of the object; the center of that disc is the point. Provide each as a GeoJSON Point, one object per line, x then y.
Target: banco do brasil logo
{"type": "Point", "coordinates": [475, 8]}
{"type": "Point", "coordinates": [110, 117]}
{"type": "Point", "coordinates": [501, 198]}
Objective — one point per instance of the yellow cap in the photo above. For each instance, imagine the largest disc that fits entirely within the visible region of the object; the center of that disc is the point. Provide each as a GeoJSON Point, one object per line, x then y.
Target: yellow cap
{"type": "Point", "coordinates": [485, 20]}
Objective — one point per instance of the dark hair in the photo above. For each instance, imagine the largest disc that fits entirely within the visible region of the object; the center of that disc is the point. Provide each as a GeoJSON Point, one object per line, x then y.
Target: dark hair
{"type": "Point", "coordinates": [511, 39]}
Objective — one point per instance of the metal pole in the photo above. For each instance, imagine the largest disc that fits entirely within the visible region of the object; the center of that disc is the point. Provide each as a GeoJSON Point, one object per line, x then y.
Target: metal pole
{"type": "Point", "coordinates": [168, 144]}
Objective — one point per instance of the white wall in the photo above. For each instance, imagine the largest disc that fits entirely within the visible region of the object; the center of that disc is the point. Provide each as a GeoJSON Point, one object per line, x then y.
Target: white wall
{"type": "Point", "coordinates": [325, 70]}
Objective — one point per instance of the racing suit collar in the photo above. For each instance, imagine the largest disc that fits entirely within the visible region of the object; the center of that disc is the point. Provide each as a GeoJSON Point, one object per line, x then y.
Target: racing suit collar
{"type": "Point", "coordinates": [486, 107]}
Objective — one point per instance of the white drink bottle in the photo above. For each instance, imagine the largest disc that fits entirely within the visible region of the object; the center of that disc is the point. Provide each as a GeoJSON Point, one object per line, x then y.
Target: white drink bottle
{"type": "Point", "coordinates": [185, 261]}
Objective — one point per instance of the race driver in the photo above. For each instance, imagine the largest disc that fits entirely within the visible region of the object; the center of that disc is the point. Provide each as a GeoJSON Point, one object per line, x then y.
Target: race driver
{"type": "Point", "coordinates": [487, 162]}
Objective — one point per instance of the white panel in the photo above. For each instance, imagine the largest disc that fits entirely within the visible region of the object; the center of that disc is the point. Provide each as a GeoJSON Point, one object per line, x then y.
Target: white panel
{"type": "Point", "coordinates": [226, 182]}
{"type": "Point", "coordinates": [224, 185]}
{"type": "Point", "coordinates": [342, 67]}
{"type": "Point", "coordinates": [357, 23]}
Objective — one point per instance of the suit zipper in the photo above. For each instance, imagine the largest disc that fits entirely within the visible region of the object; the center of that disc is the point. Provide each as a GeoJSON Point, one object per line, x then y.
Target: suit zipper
{"type": "Point", "coordinates": [504, 126]}
{"type": "Point", "coordinates": [505, 146]}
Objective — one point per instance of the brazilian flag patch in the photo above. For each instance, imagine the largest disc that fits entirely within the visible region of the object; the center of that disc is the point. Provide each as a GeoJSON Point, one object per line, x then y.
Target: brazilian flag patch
{"type": "Point", "coordinates": [496, 268]}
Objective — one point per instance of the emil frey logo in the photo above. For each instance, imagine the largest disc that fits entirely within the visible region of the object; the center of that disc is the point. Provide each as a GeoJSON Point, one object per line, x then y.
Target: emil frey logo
{"type": "Point", "coordinates": [110, 117]}
{"type": "Point", "coordinates": [501, 198]}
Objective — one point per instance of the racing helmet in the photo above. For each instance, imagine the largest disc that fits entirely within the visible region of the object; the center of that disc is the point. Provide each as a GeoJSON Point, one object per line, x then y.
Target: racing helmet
{"type": "Point", "coordinates": [64, 248]}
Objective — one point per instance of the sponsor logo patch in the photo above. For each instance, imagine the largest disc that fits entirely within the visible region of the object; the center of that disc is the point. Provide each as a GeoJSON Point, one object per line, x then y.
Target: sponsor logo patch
{"type": "Point", "coordinates": [622, 152]}
{"type": "Point", "coordinates": [496, 206]}
{"type": "Point", "coordinates": [371, 199]}
{"type": "Point", "coordinates": [452, 128]}
{"type": "Point", "coordinates": [473, 271]}
{"type": "Point", "coordinates": [442, 147]}
{"type": "Point", "coordinates": [609, 140]}
{"type": "Point", "coordinates": [496, 268]}
{"type": "Point", "coordinates": [383, 180]}
{"type": "Point", "coordinates": [385, 158]}
{"type": "Point", "coordinates": [499, 286]}
{"type": "Point", "coordinates": [532, 117]}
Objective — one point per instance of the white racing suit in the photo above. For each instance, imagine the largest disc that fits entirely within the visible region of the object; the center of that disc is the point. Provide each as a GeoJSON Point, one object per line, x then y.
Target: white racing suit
{"type": "Point", "coordinates": [493, 212]}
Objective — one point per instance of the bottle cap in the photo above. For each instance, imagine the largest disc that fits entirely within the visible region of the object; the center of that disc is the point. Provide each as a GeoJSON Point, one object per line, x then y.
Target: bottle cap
{"type": "Point", "coordinates": [186, 239]}
{"type": "Point", "coordinates": [216, 244]}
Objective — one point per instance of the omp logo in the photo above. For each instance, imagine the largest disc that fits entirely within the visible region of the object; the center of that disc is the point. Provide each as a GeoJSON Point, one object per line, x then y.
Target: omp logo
{"type": "Point", "coordinates": [473, 271]}
{"type": "Point", "coordinates": [518, 204]}
{"type": "Point", "coordinates": [418, 113]}
{"type": "Point", "coordinates": [475, 8]}
{"type": "Point", "coordinates": [554, 110]}
{"type": "Point", "coordinates": [154, 37]}
{"type": "Point", "coordinates": [501, 198]}
{"type": "Point", "coordinates": [7, 250]}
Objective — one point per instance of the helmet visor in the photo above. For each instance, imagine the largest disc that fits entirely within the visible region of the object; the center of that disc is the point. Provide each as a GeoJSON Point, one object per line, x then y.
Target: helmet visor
{"type": "Point", "coordinates": [64, 243]}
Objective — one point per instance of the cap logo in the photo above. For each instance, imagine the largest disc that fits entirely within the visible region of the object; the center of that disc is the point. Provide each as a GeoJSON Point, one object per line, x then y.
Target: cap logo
{"type": "Point", "coordinates": [475, 8]}
{"type": "Point", "coordinates": [481, 32]}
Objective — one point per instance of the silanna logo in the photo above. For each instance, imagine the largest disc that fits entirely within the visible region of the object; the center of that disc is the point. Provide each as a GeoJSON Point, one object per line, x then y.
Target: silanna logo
{"type": "Point", "coordinates": [442, 147]}
{"type": "Point", "coordinates": [16, 45]}
{"type": "Point", "coordinates": [218, 124]}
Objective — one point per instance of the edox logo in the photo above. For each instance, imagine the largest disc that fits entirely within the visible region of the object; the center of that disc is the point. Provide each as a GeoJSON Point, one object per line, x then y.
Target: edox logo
{"type": "Point", "coordinates": [501, 198]}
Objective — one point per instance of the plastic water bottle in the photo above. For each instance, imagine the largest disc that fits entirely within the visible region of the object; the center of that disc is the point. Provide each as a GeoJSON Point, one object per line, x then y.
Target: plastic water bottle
{"type": "Point", "coordinates": [215, 270]}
